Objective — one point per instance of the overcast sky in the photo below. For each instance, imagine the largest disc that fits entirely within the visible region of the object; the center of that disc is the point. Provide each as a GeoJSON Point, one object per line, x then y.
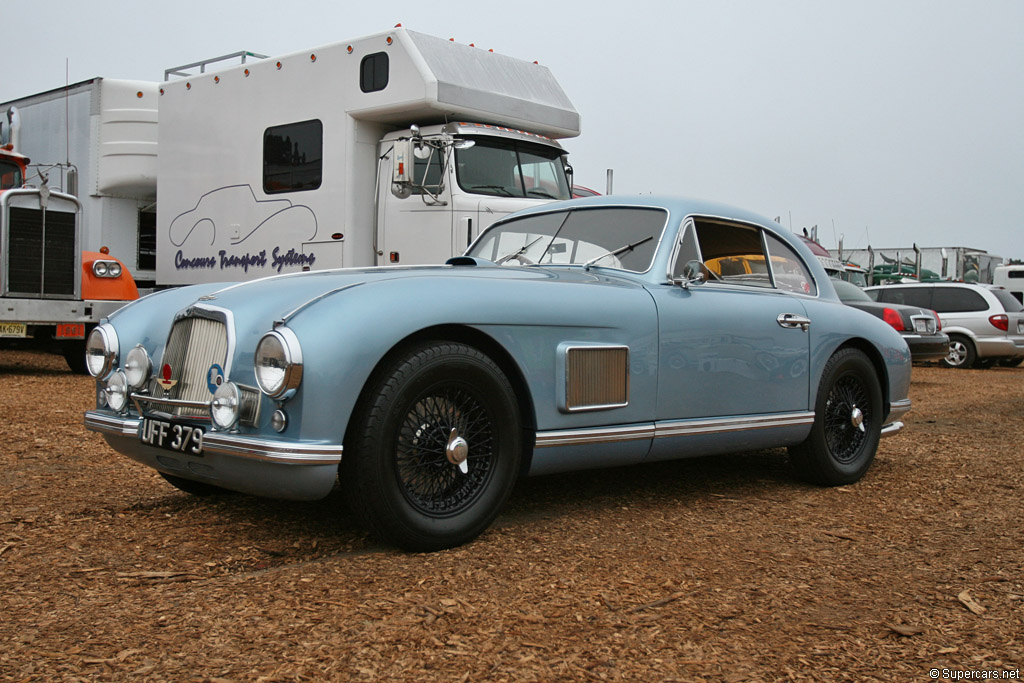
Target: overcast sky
{"type": "Point", "coordinates": [888, 121]}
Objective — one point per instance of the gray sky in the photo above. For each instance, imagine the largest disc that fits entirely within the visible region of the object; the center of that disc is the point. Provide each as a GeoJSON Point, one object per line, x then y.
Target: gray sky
{"type": "Point", "coordinates": [896, 121]}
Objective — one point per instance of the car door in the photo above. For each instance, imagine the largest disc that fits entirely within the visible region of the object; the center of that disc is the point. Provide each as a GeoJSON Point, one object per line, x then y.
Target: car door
{"type": "Point", "coordinates": [734, 351]}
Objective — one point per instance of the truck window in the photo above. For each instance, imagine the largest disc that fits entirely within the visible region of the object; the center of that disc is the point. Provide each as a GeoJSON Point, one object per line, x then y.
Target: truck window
{"type": "Point", "coordinates": [10, 175]}
{"type": "Point", "coordinates": [504, 168]}
{"type": "Point", "coordinates": [293, 157]}
{"type": "Point", "coordinates": [373, 72]}
{"type": "Point", "coordinates": [427, 174]}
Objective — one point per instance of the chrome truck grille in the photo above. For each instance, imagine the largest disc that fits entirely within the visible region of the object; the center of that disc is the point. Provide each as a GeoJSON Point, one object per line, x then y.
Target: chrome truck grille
{"type": "Point", "coordinates": [196, 349]}
{"type": "Point", "coordinates": [41, 254]}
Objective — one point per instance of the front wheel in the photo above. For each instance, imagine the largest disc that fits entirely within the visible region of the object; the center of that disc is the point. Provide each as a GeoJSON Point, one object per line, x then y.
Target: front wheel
{"type": "Point", "coordinates": [434, 451]}
{"type": "Point", "coordinates": [847, 422]}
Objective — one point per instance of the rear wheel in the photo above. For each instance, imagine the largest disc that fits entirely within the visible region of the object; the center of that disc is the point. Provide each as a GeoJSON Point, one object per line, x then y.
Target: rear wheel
{"type": "Point", "coordinates": [434, 452]}
{"type": "Point", "coordinates": [961, 352]}
{"type": "Point", "coordinates": [847, 422]}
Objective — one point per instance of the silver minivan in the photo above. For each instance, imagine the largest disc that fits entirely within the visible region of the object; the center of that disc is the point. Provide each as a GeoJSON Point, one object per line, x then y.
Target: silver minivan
{"type": "Point", "coordinates": [985, 324]}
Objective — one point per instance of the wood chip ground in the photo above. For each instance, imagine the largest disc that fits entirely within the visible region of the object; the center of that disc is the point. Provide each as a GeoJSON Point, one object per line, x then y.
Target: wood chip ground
{"type": "Point", "coordinates": [718, 569]}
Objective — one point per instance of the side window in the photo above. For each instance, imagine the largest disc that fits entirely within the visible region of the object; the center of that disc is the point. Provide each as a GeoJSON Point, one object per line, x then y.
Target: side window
{"type": "Point", "coordinates": [957, 300]}
{"type": "Point", "coordinates": [373, 72]}
{"type": "Point", "coordinates": [293, 157]}
{"type": "Point", "coordinates": [687, 250]}
{"type": "Point", "coordinates": [791, 275]}
{"type": "Point", "coordinates": [427, 173]}
{"type": "Point", "coordinates": [733, 253]}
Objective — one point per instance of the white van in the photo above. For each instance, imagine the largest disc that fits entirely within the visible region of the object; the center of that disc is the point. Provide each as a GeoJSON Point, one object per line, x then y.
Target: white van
{"type": "Point", "coordinates": [1012, 278]}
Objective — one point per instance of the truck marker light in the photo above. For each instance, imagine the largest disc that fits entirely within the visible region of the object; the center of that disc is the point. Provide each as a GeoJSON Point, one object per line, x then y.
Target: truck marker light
{"type": "Point", "coordinates": [104, 250]}
{"type": "Point", "coordinates": [394, 257]}
{"type": "Point", "coordinates": [398, 25]}
{"type": "Point", "coordinates": [139, 94]}
{"type": "Point", "coordinates": [312, 58]}
{"type": "Point", "coordinates": [349, 49]}
{"type": "Point", "coordinates": [390, 40]}
{"type": "Point", "coordinates": [247, 73]}
{"type": "Point", "coordinates": [337, 236]}
{"type": "Point", "coordinates": [161, 91]}
{"type": "Point", "coordinates": [279, 65]}
{"type": "Point", "coordinates": [216, 79]}
{"type": "Point", "coordinates": [188, 86]}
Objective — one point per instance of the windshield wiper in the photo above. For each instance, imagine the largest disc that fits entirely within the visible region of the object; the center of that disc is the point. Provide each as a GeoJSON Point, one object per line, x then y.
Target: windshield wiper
{"type": "Point", "coordinates": [502, 188]}
{"type": "Point", "coordinates": [542, 193]}
{"type": "Point", "coordinates": [620, 250]}
{"type": "Point", "coordinates": [519, 252]}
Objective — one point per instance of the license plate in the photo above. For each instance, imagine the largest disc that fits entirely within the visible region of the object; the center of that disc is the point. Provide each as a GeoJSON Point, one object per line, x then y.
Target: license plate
{"type": "Point", "coordinates": [921, 326]}
{"type": "Point", "coordinates": [13, 330]}
{"type": "Point", "coordinates": [70, 331]}
{"type": "Point", "coordinates": [172, 436]}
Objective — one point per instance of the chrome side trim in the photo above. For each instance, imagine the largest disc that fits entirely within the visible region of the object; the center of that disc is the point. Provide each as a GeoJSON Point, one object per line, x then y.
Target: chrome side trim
{"type": "Point", "coordinates": [899, 408]}
{"type": "Point", "coordinates": [730, 424]}
{"type": "Point", "coordinates": [570, 437]}
{"type": "Point", "coordinates": [234, 445]}
{"type": "Point", "coordinates": [674, 428]}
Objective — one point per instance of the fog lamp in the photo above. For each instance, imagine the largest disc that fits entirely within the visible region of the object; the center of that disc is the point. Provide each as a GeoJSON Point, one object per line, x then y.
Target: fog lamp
{"type": "Point", "coordinates": [226, 406]}
{"type": "Point", "coordinates": [116, 391]}
{"type": "Point", "coordinates": [137, 367]}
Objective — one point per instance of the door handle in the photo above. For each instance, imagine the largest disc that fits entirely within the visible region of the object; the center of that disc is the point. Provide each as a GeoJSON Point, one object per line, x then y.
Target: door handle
{"type": "Point", "coordinates": [793, 321]}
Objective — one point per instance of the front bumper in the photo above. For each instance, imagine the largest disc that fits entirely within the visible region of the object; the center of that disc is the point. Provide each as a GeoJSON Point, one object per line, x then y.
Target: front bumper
{"type": "Point", "coordinates": [896, 409]}
{"type": "Point", "coordinates": [274, 468]}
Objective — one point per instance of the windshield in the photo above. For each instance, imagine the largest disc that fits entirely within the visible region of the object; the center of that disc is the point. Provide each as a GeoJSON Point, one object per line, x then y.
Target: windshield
{"type": "Point", "coordinates": [576, 238]}
{"type": "Point", "coordinates": [10, 175]}
{"type": "Point", "coordinates": [505, 168]}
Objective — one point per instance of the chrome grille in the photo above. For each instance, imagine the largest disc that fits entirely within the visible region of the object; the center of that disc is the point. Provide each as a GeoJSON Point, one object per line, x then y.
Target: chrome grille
{"type": "Point", "coordinates": [596, 377]}
{"type": "Point", "coordinates": [195, 345]}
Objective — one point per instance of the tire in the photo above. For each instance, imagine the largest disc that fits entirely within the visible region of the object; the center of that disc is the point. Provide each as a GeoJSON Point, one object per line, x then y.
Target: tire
{"type": "Point", "coordinates": [837, 451]}
{"type": "Point", "coordinates": [74, 356]}
{"type": "Point", "coordinates": [396, 471]}
{"type": "Point", "coordinates": [195, 488]}
{"type": "Point", "coordinates": [961, 352]}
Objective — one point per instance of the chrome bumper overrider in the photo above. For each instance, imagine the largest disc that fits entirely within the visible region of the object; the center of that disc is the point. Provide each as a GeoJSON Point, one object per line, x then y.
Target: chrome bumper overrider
{"type": "Point", "coordinates": [223, 443]}
{"type": "Point", "coordinates": [896, 409]}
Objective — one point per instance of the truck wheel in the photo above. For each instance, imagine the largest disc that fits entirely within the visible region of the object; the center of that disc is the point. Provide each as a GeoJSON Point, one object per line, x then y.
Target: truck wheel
{"type": "Point", "coordinates": [74, 356]}
{"type": "Point", "coordinates": [961, 352]}
{"type": "Point", "coordinates": [433, 452]}
{"type": "Point", "coordinates": [847, 422]}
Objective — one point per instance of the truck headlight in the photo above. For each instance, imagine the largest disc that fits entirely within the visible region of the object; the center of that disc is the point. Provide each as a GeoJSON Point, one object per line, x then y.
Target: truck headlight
{"type": "Point", "coordinates": [226, 405]}
{"type": "Point", "coordinates": [116, 391]}
{"type": "Point", "coordinates": [106, 269]}
{"type": "Point", "coordinates": [278, 363]}
{"type": "Point", "coordinates": [101, 351]}
{"type": "Point", "coordinates": [137, 367]}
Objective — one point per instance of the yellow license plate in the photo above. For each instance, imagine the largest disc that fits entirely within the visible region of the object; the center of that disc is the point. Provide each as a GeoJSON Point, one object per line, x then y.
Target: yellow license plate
{"type": "Point", "coordinates": [13, 330]}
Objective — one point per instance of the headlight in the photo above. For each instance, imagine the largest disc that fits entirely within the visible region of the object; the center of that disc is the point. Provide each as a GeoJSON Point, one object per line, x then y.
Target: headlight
{"type": "Point", "coordinates": [99, 268]}
{"type": "Point", "coordinates": [278, 363]}
{"type": "Point", "coordinates": [226, 405]}
{"type": "Point", "coordinates": [106, 269]}
{"type": "Point", "coordinates": [116, 391]}
{"type": "Point", "coordinates": [137, 367]}
{"type": "Point", "coordinates": [101, 351]}
{"type": "Point", "coordinates": [114, 269]}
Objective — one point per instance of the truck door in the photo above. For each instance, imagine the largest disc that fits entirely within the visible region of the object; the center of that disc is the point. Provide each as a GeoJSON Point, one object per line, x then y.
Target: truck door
{"type": "Point", "coordinates": [414, 226]}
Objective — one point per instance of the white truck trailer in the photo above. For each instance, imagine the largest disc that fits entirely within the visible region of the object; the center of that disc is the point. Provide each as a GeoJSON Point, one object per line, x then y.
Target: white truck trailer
{"type": "Point", "coordinates": [396, 148]}
{"type": "Point", "coordinates": [81, 218]}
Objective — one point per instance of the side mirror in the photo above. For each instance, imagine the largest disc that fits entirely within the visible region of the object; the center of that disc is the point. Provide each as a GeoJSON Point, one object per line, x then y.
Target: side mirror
{"type": "Point", "coordinates": [694, 273]}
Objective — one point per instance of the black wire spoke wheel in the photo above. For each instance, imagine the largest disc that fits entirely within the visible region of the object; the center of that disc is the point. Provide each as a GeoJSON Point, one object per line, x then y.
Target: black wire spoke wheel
{"type": "Point", "coordinates": [431, 483]}
{"type": "Point", "coordinates": [435, 447]}
{"type": "Point", "coordinates": [844, 432]}
{"type": "Point", "coordinates": [847, 425]}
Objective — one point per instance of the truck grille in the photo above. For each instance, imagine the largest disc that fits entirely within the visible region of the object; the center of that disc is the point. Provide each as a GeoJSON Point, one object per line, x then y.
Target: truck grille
{"type": "Point", "coordinates": [41, 253]}
{"type": "Point", "coordinates": [195, 346]}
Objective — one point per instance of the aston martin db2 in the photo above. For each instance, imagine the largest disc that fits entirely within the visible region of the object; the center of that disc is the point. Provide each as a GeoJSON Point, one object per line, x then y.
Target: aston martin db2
{"type": "Point", "coordinates": [590, 333]}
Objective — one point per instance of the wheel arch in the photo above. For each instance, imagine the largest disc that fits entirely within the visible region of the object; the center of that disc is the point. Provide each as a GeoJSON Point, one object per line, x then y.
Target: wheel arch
{"type": "Point", "coordinates": [486, 344]}
{"type": "Point", "coordinates": [877, 361]}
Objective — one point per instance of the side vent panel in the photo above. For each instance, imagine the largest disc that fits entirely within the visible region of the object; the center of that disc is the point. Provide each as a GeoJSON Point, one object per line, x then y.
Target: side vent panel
{"type": "Point", "coordinates": [596, 377]}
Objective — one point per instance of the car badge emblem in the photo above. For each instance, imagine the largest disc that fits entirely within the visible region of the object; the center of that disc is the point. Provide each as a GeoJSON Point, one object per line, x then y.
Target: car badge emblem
{"type": "Point", "coordinates": [165, 378]}
{"type": "Point", "coordinates": [214, 378]}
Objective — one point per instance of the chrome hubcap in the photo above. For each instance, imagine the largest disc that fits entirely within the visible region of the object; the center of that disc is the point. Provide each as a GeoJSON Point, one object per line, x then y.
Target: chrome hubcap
{"type": "Point", "coordinates": [457, 451]}
{"type": "Point", "coordinates": [857, 418]}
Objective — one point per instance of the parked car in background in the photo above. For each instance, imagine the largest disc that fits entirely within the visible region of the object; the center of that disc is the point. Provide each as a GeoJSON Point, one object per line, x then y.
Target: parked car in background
{"type": "Point", "coordinates": [586, 334]}
{"type": "Point", "coordinates": [919, 327]}
{"type": "Point", "coordinates": [985, 324]}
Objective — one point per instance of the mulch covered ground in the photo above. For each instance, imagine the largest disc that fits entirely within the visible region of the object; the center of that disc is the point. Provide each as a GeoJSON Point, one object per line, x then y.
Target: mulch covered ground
{"type": "Point", "coordinates": [723, 569]}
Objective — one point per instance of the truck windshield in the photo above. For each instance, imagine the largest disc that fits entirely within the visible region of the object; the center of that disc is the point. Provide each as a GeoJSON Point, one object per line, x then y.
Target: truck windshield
{"type": "Point", "coordinates": [10, 175]}
{"type": "Point", "coordinates": [506, 168]}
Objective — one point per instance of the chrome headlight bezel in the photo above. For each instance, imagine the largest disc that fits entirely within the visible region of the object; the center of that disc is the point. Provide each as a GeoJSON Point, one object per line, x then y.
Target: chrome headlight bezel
{"type": "Point", "coordinates": [277, 363]}
{"type": "Point", "coordinates": [108, 269]}
{"type": "Point", "coordinates": [137, 367]}
{"type": "Point", "coordinates": [226, 406]}
{"type": "Point", "coordinates": [101, 351]}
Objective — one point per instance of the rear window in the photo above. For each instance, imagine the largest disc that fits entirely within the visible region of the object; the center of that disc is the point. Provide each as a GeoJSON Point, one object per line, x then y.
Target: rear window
{"type": "Point", "coordinates": [957, 300]}
{"type": "Point", "coordinates": [908, 296]}
{"type": "Point", "coordinates": [1008, 300]}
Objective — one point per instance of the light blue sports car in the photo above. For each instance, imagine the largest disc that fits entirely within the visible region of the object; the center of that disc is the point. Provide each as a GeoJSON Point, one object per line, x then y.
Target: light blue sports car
{"type": "Point", "coordinates": [588, 333]}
